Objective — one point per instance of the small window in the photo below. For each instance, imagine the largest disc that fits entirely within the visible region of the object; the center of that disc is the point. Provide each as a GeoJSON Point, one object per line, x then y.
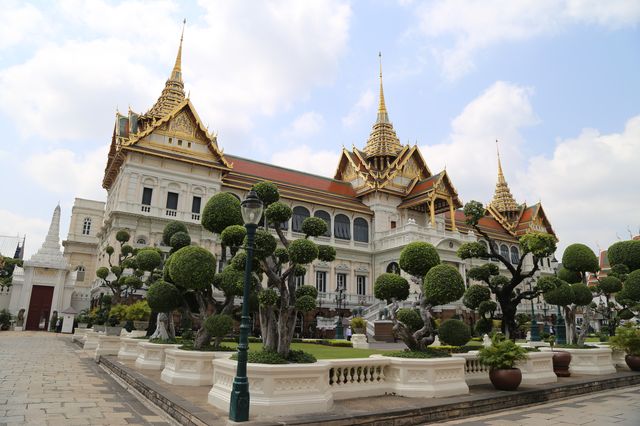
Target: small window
{"type": "Point", "coordinates": [146, 196]}
{"type": "Point", "coordinates": [362, 285]}
{"type": "Point", "coordinates": [80, 273]}
{"type": "Point", "coordinates": [298, 281]}
{"type": "Point", "coordinates": [172, 200]}
{"type": "Point", "coordinates": [86, 226]}
{"type": "Point", "coordinates": [360, 230]}
{"type": "Point", "coordinates": [515, 255]}
{"type": "Point", "coordinates": [179, 142]}
{"type": "Point", "coordinates": [321, 281]}
{"type": "Point", "coordinates": [342, 227]}
{"type": "Point", "coordinates": [195, 205]}
{"type": "Point", "coordinates": [327, 218]}
{"type": "Point", "coordinates": [188, 144]}
{"type": "Point", "coordinates": [341, 281]}
{"type": "Point", "coordinates": [141, 241]}
{"type": "Point", "coordinates": [299, 215]}
{"type": "Point", "coordinates": [504, 251]}
{"type": "Point", "coordinates": [393, 224]}
{"type": "Point", "coordinates": [393, 268]}
{"type": "Point", "coordinates": [170, 140]}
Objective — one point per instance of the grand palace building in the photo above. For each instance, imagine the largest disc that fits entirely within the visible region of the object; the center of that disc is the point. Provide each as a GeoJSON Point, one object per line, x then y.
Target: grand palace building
{"type": "Point", "coordinates": [164, 165]}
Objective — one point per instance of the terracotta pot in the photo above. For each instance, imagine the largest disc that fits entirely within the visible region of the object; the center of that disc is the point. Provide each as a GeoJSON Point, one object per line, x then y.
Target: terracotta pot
{"type": "Point", "coordinates": [507, 379]}
{"type": "Point", "coordinates": [561, 361]}
{"type": "Point", "coordinates": [633, 361]}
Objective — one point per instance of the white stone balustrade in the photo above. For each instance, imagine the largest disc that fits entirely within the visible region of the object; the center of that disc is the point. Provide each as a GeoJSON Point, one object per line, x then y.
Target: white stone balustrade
{"type": "Point", "coordinates": [190, 368]}
{"type": "Point", "coordinates": [594, 361]}
{"type": "Point", "coordinates": [306, 388]}
{"type": "Point", "coordinates": [128, 349]}
{"type": "Point", "coordinates": [151, 356]}
{"type": "Point", "coordinates": [537, 369]}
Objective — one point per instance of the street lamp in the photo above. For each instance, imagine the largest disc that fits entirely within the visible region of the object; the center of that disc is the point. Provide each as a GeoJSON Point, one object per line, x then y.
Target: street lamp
{"type": "Point", "coordinates": [251, 209]}
{"type": "Point", "coordinates": [535, 333]}
{"type": "Point", "coordinates": [339, 298]}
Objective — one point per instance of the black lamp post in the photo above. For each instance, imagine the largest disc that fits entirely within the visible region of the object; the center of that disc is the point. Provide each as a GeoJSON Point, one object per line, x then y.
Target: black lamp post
{"type": "Point", "coordinates": [339, 299]}
{"type": "Point", "coordinates": [251, 209]}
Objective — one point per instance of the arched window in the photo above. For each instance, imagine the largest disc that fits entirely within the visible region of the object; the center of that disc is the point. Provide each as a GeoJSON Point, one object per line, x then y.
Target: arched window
{"type": "Point", "coordinates": [504, 251]}
{"type": "Point", "coordinates": [86, 226]}
{"type": "Point", "coordinates": [515, 255]}
{"type": "Point", "coordinates": [299, 215]}
{"type": "Point", "coordinates": [327, 218]}
{"type": "Point", "coordinates": [393, 268]}
{"type": "Point", "coordinates": [141, 241]}
{"type": "Point", "coordinates": [360, 230]}
{"type": "Point", "coordinates": [342, 227]}
{"type": "Point", "coordinates": [80, 273]}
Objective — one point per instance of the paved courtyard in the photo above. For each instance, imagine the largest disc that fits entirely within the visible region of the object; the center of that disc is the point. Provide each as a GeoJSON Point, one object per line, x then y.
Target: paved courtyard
{"type": "Point", "coordinates": [620, 407]}
{"type": "Point", "coordinates": [45, 380]}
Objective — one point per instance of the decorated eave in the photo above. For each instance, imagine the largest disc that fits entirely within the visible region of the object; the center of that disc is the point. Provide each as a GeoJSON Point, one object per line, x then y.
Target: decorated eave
{"type": "Point", "coordinates": [487, 224]}
{"type": "Point", "coordinates": [353, 165]}
{"type": "Point", "coordinates": [124, 139]}
{"type": "Point", "coordinates": [430, 189]}
{"type": "Point", "coordinates": [293, 185]}
{"type": "Point", "coordinates": [534, 219]}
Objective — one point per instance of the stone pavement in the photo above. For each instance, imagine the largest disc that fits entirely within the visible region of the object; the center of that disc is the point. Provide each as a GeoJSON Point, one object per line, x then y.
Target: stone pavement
{"type": "Point", "coordinates": [620, 407]}
{"type": "Point", "coordinates": [45, 380]}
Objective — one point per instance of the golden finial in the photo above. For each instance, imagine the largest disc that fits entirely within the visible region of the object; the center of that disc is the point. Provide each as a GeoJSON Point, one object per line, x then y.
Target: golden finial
{"type": "Point", "coordinates": [500, 174]}
{"type": "Point", "coordinates": [383, 116]}
{"type": "Point", "coordinates": [176, 73]}
{"type": "Point", "coordinates": [502, 199]}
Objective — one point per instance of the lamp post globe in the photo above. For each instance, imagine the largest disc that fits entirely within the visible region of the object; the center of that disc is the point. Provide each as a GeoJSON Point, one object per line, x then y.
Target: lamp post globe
{"type": "Point", "coordinates": [251, 209]}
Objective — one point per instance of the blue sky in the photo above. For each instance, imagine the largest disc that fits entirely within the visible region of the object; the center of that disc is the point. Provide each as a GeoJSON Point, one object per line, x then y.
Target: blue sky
{"type": "Point", "coordinates": [291, 82]}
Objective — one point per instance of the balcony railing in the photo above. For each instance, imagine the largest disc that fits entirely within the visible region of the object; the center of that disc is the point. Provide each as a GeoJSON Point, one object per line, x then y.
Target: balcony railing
{"type": "Point", "coordinates": [171, 212]}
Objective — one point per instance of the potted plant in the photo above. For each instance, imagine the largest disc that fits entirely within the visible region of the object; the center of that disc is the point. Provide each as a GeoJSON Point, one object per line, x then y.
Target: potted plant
{"type": "Point", "coordinates": [627, 338]}
{"type": "Point", "coordinates": [139, 313]}
{"type": "Point", "coordinates": [501, 357]}
{"type": "Point", "coordinates": [358, 325]}
{"type": "Point", "coordinates": [561, 360]}
{"type": "Point", "coordinates": [5, 319]}
{"type": "Point", "coordinates": [116, 313]}
{"type": "Point", "coordinates": [83, 318]}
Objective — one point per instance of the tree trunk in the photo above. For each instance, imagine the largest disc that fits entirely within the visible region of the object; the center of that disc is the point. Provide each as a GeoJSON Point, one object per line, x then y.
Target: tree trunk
{"type": "Point", "coordinates": [285, 332]}
{"type": "Point", "coordinates": [586, 320]}
{"type": "Point", "coordinates": [161, 327]}
{"type": "Point", "coordinates": [202, 338]}
{"type": "Point", "coordinates": [570, 322]}
{"type": "Point", "coordinates": [268, 328]}
{"type": "Point", "coordinates": [509, 326]}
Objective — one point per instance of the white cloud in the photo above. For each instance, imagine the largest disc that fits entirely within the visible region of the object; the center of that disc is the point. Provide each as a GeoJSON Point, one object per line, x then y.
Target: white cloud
{"type": "Point", "coordinates": [589, 186]}
{"type": "Point", "coordinates": [65, 172]}
{"type": "Point", "coordinates": [469, 153]}
{"type": "Point", "coordinates": [35, 229]}
{"type": "Point", "coordinates": [308, 160]}
{"type": "Point", "coordinates": [240, 59]}
{"type": "Point", "coordinates": [305, 125]}
{"type": "Point", "coordinates": [463, 27]}
{"type": "Point", "coordinates": [363, 105]}
{"type": "Point", "coordinates": [21, 23]}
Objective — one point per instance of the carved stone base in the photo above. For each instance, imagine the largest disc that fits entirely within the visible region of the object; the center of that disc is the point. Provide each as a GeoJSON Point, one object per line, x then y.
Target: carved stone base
{"type": "Point", "coordinates": [190, 368]}
{"type": "Point", "coordinates": [151, 355]}
{"type": "Point", "coordinates": [359, 341]}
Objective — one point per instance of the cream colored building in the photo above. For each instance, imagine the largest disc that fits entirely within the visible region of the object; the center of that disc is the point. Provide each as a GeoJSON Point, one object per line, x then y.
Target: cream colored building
{"type": "Point", "coordinates": [164, 165]}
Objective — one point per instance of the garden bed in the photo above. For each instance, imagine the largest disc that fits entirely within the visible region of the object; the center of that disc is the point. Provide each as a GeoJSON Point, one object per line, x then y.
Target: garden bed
{"type": "Point", "coordinates": [591, 360]}
{"type": "Point", "coordinates": [190, 367]}
{"type": "Point", "coordinates": [151, 356]}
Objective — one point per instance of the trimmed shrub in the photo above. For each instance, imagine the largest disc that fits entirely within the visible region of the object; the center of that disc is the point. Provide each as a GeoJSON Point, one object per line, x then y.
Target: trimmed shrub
{"type": "Point", "coordinates": [443, 284]}
{"type": "Point", "coordinates": [418, 258]}
{"type": "Point", "coordinates": [148, 259]}
{"type": "Point", "coordinates": [222, 210]}
{"type": "Point", "coordinates": [475, 295]}
{"type": "Point", "coordinates": [580, 258]}
{"type": "Point", "coordinates": [484, 326]}
{"type": "Point", "coordinates": [454, 332]}
{"type": "Point", "coordinates": [326, 253]}
{"type": "Point", "coordinates": [122, 236]}
{"type": "Point", "coordinates": [163, 297]}
{"type": "Point", "coordinates": [193, 267]}
{"type": "Point", "coordinates": [265, 244]}
{"type": "Point", "coordinates": [233, 236]}
{"type": "Point", "coordinates": [472, 250]}
{"type": "Point", "coordinates": [278, 212]}
{"type": "Point", "coordinates": [267, 192]}
{"type": "Point", "coordinates": [219, 325]}
{"type": "Point", "coordinates": [307, 290]}
{"type": "Point", "coordinates": [281, 254]}
{"type": "Point", "coordinates": [625, 253]}
{"type": "Point", "coordinates": [388, 286]}
{"type": "Point", "coordinates": [179, 240]}
{"type": "Point", "coordinates": [610, 285]}
{"type": "Point", "coordinates": [268, 297]}
{"type": "Point", "coordinates": [411, 318]}
{"type": "Point", "coordinates": [303, 251]}
{"type": "Point", "coordinates": [172, 228]}
{"type": "Point", "coordinates": [305, 303]}
{"type": "Point", "coordinates": [230, 281]}
{"type": "Point", "coordinates": [569, 276]}
{"type": "Point", "coordinates": [314, 226]}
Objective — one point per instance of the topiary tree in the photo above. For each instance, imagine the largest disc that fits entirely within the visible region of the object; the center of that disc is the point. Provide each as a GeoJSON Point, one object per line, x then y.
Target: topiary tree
{"type": "Point", "coordinates": [112, 276]}
{"type": "Point", "coordinates": [577, 261]}
{"type": "Point", "coordinates": [536, 244]}
{"type": "Point", "coordinates": [218, 326]}
{"type": "Point", "coordinates": [454, 332]}
{"type": "Point", "coordinates": [439, 284]}
{"type": "Point", "coordinates": [625, 253]}
{"type": "Point", "coordinates": [221, 211]}
{"type": "Point", "coordinates": [7, 265]}
{"type": "Point", "coordinates": [279, 303]}
{"type": "Point", "coordinates": [172, 228]}
{"type": "Point", "coordinates": [164, 297]}
{"type": "Point", "coordinates": [569, 297]}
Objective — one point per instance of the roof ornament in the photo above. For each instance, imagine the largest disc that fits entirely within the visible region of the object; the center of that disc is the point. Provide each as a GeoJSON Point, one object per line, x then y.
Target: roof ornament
{"type": "Point", "coordinates": [502, 201]}
{"type": "Point", "coordinates": [383, 116]}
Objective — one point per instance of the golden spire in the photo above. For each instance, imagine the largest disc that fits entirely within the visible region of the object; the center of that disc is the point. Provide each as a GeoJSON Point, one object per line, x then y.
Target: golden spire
{"type": "Point", "coordinates": [382, 141]}
{"type": "Point", "coordinates": [503, 201]}
{"type": "Point", "coordinates": [173, 93]}
{"type": "Point", "coordinates": [383, 116]}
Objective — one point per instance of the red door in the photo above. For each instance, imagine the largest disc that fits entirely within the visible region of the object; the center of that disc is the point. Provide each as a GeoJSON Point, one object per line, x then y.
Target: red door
{"type": "Point", "coordinates": [39, 308]}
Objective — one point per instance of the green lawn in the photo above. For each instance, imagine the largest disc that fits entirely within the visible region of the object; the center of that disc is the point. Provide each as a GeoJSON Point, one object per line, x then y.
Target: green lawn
{"type": "Point", "coordinates": [322, 351]}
